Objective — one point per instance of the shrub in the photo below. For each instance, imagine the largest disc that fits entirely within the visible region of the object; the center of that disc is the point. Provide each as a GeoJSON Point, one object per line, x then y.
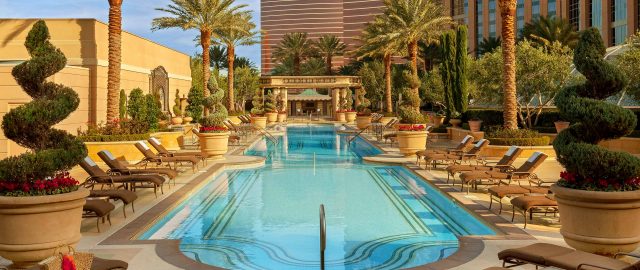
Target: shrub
{"type": "Point", "coordinates": [137, 106]}
{"type": "Point", "coordinates": [409, 110]}
{"type": "Point", "coordinates": [520, 137]}
{"type": "Point", "coordinates": [153, 111]}
{"type": "Point", "coordinates": [270, 103]}
{"type": "Point", "coordinates": [214, 122]}
{"type": "Point", "coordinates": [258, 107]}
{"type": "Point", "coordinates": [195, 100]}
{"type": "Point", "coordinates": [115, 138]}
{"type": "Point", "coordinates": [177, 112]}
{"type": "Point", "coordinates": [364, 103]}
{"type": "Point", "coordinates": [123, 104]}
{"type": "Point", "coordinates": [52, 150]}
{"type": "Point", "coordinates": [589, 166]}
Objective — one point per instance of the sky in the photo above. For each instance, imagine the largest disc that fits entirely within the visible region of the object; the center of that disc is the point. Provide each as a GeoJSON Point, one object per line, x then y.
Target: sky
{"type": "Point", "coordinates": [136, 18]}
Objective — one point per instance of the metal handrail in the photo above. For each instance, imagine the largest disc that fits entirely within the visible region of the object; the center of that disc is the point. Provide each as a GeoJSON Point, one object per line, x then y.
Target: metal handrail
{"type": "Point", "coordinates": [266, 134]}
{"type": "Point", "coordinates": [323, 236]}
{"type": "Point", "coordinates": [356, 136]}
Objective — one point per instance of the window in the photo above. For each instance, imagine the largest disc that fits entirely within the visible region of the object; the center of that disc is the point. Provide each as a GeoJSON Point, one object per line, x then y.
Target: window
{"type": "Point", "coordinates": [618, 21]}
{"type": "Point", "coordinates": [520, 15]}
{"type": "Point", "coordinates": [458, 7]}
{"type": "Point", "coordinates": [479, 19]}
{"type": "Point", "coordinates": [535, 9]}
{"type": "Point", "coordinates": [492, 18]}
{"type": "Point", "coordinates": [551, 8]}
{"type": "Point", "coordinates": [466, 11]}
{"type": "Point", "coordinates": [574, 13]}
{"type": "Point", "coordinates": [596, 14]}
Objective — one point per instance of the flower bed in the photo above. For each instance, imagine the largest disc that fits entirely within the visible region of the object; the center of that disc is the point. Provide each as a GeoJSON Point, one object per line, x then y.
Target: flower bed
{"type": "Point", "coordinates": [412, 127]}
{"type": "Point", "coordinates": [519, 137]}
{"type": "Point", "coordinates": [115, 138]}
{"type": "Point", "coordinates": [214, 129]}
{"type": "Point", "coordinates": [537, 141]}
{"type": "Point", "coordinates": [61, 183]}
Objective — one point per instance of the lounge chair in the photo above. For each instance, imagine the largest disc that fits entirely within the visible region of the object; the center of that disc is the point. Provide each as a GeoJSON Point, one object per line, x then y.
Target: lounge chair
{"type": "Point", "coordinates": [132, 182]}
{"type": "Point", "coordinates": [524, 172]}
{"type": "Point", "coordinates": [120, 167]}
{"type": "Point", "coordinates": [533, 204]}
{"type": "Point", "coordinates": [497, 193]}
{"type": "Point", "coordinates": [379, 129]}
{"type": "Point", "coordinates": [164, 152]}
{"type": "Point", "coordinates": [150, 156]}
{"type": "Point", "coordinates": [456, 157]}
{"type": "Point", "coordinates": [464, 144]}
{"type": "Point", "coordinates": [503, 164]}
{"type": "Point", "coordinates": [125, 196]}
{"type": "Point", "coordinates": [548, 255]}
{"type": "Point", "coordinates": [99, 209]}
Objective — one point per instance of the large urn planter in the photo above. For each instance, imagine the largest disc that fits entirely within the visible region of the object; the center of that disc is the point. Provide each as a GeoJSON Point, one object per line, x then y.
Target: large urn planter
{"type": "Point", "coordinates": [187, 120]}
{"type": "Point", "coordinates": [475, 125]}
{"type": "Point", "coordinates": [214, 145]}
{"type": "Point", "coordinates": [282, 117]}
{"type": "Point", "coordinates": [176, 120]}
{"type": "Point", "coordinates": [455, 122]}
{"type": "Point", "coordinates": [271, 117]}
{"type": "Point", "coordinates": [33, 228]}
{"type": "Point", "coordinates": [363, 122]}
{"type": "Point", "coordinates": [437, 120]}
{"type": "Point", "coordinates": [561, 125]}
{"type": "Point", "coordinates": [386, 119]}
{"type": "Point", "coordinates": [350, 116]}
{"type": "Point", "coordinates": [340, 117]}
{"type": "Point", "coordinates": [259, 121]}
{"type": "Point", "coordinates": [409, 142]}
{"type": "Point", "coordinates": [599, 222]}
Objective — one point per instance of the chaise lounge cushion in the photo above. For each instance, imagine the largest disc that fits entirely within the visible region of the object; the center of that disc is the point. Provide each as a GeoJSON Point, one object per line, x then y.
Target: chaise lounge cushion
{"type": "Point", "coordinates": [573, 259]}
{"type": "Point", "coordinates": [104, 264]}
{"type": "Point", "coordinates": [527, 202]}
{"type": "Point", "coordinates": [126, 196]}
{"type": "Point", "coordinates": [535, 253]}
{"type": "Point", "coordinates": [100, 207]}
{"type": "Point", "coordinates": [501, 191]}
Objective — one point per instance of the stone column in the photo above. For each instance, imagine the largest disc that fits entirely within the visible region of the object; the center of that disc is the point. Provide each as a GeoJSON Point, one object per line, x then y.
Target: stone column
{"type": "Point", "coordinates": [284, 93]}
{"type": "Point", "coordinates": [357, 100]}
{"type": "Point", "coordinates": [632, 16]}
{"type": "Point", "coordinates": [335, 100]}
{"type": "Point", "coordinates": [606, 22]}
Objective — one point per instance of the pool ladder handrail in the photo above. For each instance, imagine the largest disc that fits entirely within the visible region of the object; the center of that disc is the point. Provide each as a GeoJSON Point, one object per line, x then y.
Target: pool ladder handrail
{"type": "Point", "coordinates": [323, 236]}
{"type": "Point", "coordinates": [266, 134]}
{"type": "Point", "coordinates": [356, 136]}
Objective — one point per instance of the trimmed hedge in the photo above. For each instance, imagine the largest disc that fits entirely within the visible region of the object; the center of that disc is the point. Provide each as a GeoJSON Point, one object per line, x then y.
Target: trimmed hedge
{"type": "Point", "coordinates": [115, 138]}
{"type": "Point", "coordinates": [492, 117]}
{"type": "Point", "coordinates": [539, 141]}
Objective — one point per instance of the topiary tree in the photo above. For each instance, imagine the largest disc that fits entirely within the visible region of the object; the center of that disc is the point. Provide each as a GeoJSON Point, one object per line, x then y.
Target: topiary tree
{"type": "Point", "coordinates": [348, 100]}
{"type": "Point", "coordinates": [460, 91]}
{"type": "Point", "coordinates": [177, 111]}
{"type": "Point", "coordinates": [123, 104]}
{"type": "Point", "coordinates": [409, 110]}
{"type": "Point", "coordinates": [196, 101]}
{"type": "Point", "coordinates": [217, 111]}
{"type": "Point", "coordinates": [270, 103]}
{"type": "Point", "coordinates": [258, 106]}
{"type": "Point", "coordinates": [588, 165]}
{"type": "Point", "coordinates": [364, 103]}
{"type": "Point", "coordinates": [153, 111]}
{"type": "Point", "coordinates": [137, 106]}
{"type": "Point", "coordinates": [447, 69]}
{"type": "Point", "coordinates": [29, 125]}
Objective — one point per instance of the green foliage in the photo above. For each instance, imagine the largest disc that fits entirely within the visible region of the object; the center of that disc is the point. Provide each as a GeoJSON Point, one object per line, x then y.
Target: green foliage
{"type": "Point", "coordinates": [29, 125]}
{"type": "Point", "coordinates": [372, 76]}
{"type": "Point", "coordinates": [177, 112]}
{"type": "Point", "coordinates": [489, 45]}
{"type": "Point", "coordinates": [594, 120]}
{"type": "Point", "coordinates": [270, 103]}
{"type": "Point", "coordinates": [348, 100]}
{"type": "Point", "coordinates": [123, 104]}
{"type": "Point", "coordinates": [195, 101]}
{"type": "Point", "coordinates": [433, 87]}
{"type": "Point", "coordinates": [409, 110]}
{"type": "Point", "coordinates": [115, 138]}
{"type": "Point", "coordinates": [364, 103]}
{"type": "Point", "coordinates": [137, 106]}
{"type": "Point", "coordinates": [153, 111]}
{"type": "Point", "coordinates": [628, 63]}
{"type": "Point", "coordinates": [548, 30]}
{"type": "Point", "coordinates": [256, 101]}
{"type": "Point", "coordinates": [447, 69]}
{"type": "Point", "coordinates": [460, 91]}
{"type": "Point", "coordinates": [520, 137]}
{"type": "Point", "coordinates": [217, 111]}
{"type": "Point", "coordinates": [296, 48]}
{"type": "Point", "coordinates": [246, 81]}
{"type": "Point", "coordinates": [197, 77]}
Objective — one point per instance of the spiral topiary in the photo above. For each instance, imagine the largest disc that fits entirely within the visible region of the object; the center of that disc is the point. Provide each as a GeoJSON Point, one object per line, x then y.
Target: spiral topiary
{"type": "Point", "coordinates": [217, 111]}
{"type": "Point", "coordinates": [409, 110]}
{"type": "Point", "coordinates": [364, 102]}
{"type": "Point", "coordinates": [29, 125]}
{"type": "Point", "coordinates": [256, 101]}
{"type": "Point", "coordinates": [270, 103]}
{"type": "Point", "coordinates": [589, 166]}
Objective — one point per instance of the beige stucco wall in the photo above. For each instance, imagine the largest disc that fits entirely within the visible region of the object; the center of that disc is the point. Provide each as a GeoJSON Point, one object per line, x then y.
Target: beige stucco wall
{"type": "Point", "coordinates": [85, 44]}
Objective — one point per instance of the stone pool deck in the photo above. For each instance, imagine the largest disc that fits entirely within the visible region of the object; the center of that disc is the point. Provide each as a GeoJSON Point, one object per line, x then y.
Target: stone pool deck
{"type": "Point", "coordinates": [478, 253]}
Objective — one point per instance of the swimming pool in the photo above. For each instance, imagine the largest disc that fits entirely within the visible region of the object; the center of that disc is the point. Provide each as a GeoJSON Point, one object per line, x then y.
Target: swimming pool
{"type": "Point", "coordinates": [378, 217]}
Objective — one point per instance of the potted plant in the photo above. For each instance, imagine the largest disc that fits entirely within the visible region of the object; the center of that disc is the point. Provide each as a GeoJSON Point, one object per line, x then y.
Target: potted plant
{"type": "Point", "coordinates": [282, 109]}
{"type": "Point", "coordinates": [213, 135]}
{"type": "Point", "coordinates": [40, 204]}
{"type": "Point", "coordinates": [187, 118]}
{"type": "Point", "coordinates": [475, 124]}
{"type": "Point", "coordinates": [340, 116]}
{"type": "Point", "coordinates": [257, 112]}
{"type": "Point", "coordinates": [350, 113]}
{"type": "Point", "coordinates": [270, 108]}
{"type": "Point", "coordinates": [363, 116]}
{"type": "Point", "coordinates": [561, 125]}
{"type": "Point", "coordinates": [455, 120]}
{"type": "Point", "coordinates": [412, 134]}
{"type": "Point", "coordinates": [177, 112]}
{"type": "Point", "coordinates": [599, 193]}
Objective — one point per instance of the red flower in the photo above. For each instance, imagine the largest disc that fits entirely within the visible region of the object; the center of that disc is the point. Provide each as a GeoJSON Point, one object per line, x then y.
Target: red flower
{"type": "Point", "coordinates": [213, 129]}
{"type": "Point", "coordinates": [411, 128]}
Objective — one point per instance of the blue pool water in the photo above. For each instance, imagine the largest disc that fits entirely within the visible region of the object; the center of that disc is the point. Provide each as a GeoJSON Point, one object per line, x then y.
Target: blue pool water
{"type": "Point", "coordinates": [378, 217]}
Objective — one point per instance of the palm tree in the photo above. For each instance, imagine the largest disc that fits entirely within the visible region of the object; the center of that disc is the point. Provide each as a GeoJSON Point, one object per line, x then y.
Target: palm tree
{"type": "Point", "coordinates": [488, 45]}
{"type": "Point", "coordinates": [241, 34]}
{"type": "Point", "coordinates": [206, 16]}
{"type": "Point", "coordinates": [297, 47]}
{"type": "Point", "coordinates": [329, 46]}
{"type": "Point", "coordinates": [243, 62]}
{"type": "Point", "coordinates": [508, 11]}
{"type": "Point", "coordinates": [414, 21]}
{"type": "Point", "coordinates": [115, 50]}
{"type": "Point", "coordinates": [547, 30]}
{"type": "Point", "coordinates": [375, 43]}
{"type": "Point", "coordinates": [218, 57]}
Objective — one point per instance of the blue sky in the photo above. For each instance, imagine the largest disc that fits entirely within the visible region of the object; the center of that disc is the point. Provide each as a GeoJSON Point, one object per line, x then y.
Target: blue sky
{"type": "Point", "coordinates": [136, 18]}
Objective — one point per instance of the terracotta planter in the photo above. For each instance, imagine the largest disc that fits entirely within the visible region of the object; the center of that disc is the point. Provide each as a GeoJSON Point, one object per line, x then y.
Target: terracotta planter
{"type": "Point", "coordinates": [561, 125]}
{"type": "Point", "coordinates": [234, 119]}
{"type": "Point", "coordinates": [176, 120]}
{"type": "Point", "coordinates": [259, 121]}
{"type": "Point", "coordinates": [271, 117]}
{"type": "Point", "coordinates": [350, 116]}
{"type": "Point", "coordinates": [437, 120]}
{"type": "Point", "coordinates": [214, 145]}
{"type": "Point", "coordinates": [340, 117]}
{"type": "Point", "coordinates": [187, 120]}
{"type": "Point", "coordinates": [475, 125]}
{"type": "Point", "coordinates": [282, 117]}
{"type": "Point", "coordinates": [599, 222]}
{"type": "Point", "coordinates": [32, 228]}
{"type": "Point", "coordinates": [455, 122]}
{"type": "Point", "coordinates": [386, 119]}
{"type": "Point", "coordinates": [363, 122]}
{"type": "Point", "coordinates": [410, 142]}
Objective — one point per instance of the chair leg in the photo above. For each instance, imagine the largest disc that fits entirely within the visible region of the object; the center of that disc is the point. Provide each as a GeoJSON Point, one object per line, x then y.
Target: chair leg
{"type": "Point", "coordinates": [98, 223]}
{"type": "Point", "coordinates": [513, 213]}
{"type": "Point", "coordinates": [124, 211]}
{"type": "Point", "coordinates": [109, 218]}
{"type": "Point", "coordinates": [525, 217]}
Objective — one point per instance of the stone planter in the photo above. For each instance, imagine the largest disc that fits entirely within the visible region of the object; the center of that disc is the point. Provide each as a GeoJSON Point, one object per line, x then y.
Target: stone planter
{"type": "Point", "coordinates": [386, 119]}
{"type": "Point", "coordinates": [599, 222]}
{"type": "Point", "coordinates": [123, 149]}
{"type": "Point", "coordinates": [32, 228]}
{"type": "Point", "coordinates": [259, 121]}
{"type": "Point", "coordinates": [561, 125]}
{"type": "Point", "coordinates": [271, 117]}
{"type": "Point", "coordinates": [363, 122]}
{"type": "Point", "coordinates": [234, 119]}
{"type": "Point", "coordinates": [282, 117]}
{"type": "Point", "coordinates": [437, 121]}
{"type": "Point", "coordinates": [187, 120]}
{"type": "Point", "coordinates": [475, 125]}
{"type": "Point", "coordinates": [170, 140]}
{"type": "Point", "coordinates": [410, 142]}
{"type": "Point", "coordinates": [176, 120]}
{"type": "Point", "coordinates": [340, 117]}
{"type": "Point", "coordinates": [350, 116]}
{"type": "Point", "coordinates": [455, 122]}
{"type": "Point", "coordinates": [214, 145]}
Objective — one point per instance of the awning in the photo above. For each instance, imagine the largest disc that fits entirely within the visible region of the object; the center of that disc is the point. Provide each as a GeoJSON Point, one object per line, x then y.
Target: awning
{"type": "Point", "coordinates": [309, 95]}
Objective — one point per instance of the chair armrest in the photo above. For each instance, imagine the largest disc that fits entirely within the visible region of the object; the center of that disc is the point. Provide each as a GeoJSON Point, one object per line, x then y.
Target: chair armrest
{"type": "Point", "coordinates": [637, 256]}
{"type": "Point", "coordinates": [514, 172]}
{"type": "Point", "coordinates": [580, 266]}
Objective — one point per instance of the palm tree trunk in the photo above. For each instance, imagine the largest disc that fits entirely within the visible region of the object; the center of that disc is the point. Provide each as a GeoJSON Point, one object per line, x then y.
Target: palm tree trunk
{"type": "Point", "coordinates": [508, 11]}
{"type": "Point", "coordinates": [230, 59]}
{"type": "Point", "coordinates": [387, 80]}
{"type": "Point", "coordinates": [296, 65]}
{"type": "Point", "coordinates": [413, 55]}
{"type": "Point", "coordinates": [115, 47]}
{"type": "Point", "coordinates": [329, 64]}
{"type": "Point", "coordinates": [205, 42]}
